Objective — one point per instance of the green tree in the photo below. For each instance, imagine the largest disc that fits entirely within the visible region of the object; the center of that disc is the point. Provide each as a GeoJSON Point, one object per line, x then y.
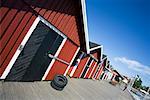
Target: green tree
{"type": "Point", "coordinates": [137, 83]}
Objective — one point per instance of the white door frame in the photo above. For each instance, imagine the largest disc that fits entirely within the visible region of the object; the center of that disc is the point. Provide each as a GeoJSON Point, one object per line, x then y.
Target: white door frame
{"type": "Point", "coordinates": [84, 67]}
{"type": "Point", "coordinates": [73, 58]}
{"type": "Point", "coordinates": [88, 68]}
{"type": "Point", "coordinates": [75, 67]}
{"type": "Point", "coordinates": [26, 38]}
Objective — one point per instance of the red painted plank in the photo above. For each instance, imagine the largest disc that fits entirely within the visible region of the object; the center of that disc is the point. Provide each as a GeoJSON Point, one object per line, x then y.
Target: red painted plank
{"type": "Point", "coordinates": [42, 12]}
{"type": "Point", "coordinates": [46, 15]}
{"type": "Point", "coordinates": [11, 30]}
{"type": "Point", "coordinates": [90, 69]}
{"type": "Point", "coordinates": [99, 72]}
{"type": "Point", "coordinates": [62, 23]}
{"type": "Point", "coordinates": [19, 40]}
{"type": "Point", "coordinates": [64, 54]}
{"type": "Point", "coordinates": [57, 68]}
{"type": "Point", "coordinates": [80, 67]}
{"type": "Point", "coordinates": [96, 55]}
{"type": "Point", "coordinates": [94, 70]}
{"type": "Point", "coordinates": [14, 37]}
{"type": "Point", "coordinates": [69, 26]}
{"type": "Point", "coordinates": [6, 22]}
{"type": "Point", "coordinates": [3, 11]}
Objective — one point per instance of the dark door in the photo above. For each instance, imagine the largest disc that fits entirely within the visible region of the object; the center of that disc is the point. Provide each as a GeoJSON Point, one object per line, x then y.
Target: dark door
{"type": "Point", "coordinates": [86, 68]}
{"type": "Point", "coordinates": [33, 60]}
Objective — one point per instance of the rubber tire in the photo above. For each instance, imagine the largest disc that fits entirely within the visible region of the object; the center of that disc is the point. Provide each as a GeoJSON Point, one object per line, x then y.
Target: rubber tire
{"type": "Point", "coordinates": [61, 83]}
{"type": "Point", "coordinates": [56, 87]}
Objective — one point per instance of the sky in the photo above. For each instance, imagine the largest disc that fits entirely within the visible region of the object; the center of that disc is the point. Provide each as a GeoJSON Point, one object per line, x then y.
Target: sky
{"type": "Point", "coordinates": [123, 28]}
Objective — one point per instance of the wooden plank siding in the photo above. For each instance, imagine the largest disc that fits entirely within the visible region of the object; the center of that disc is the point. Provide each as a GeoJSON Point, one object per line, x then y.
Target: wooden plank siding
{"type": "Point", "coordinates": [59, 67]}
{"type": "Point", "coordinates": [90, 69]}
{"type": "Point", "coordinates": [17, 16]}
{"type": "Point", "coordinates": [100, 71]}
{"type": "Point", "coordinates": [15, 25]}
{"type": "Point", "coordinates": [94, 70]}
{"type": "Point", "coordinates": [80, 67]}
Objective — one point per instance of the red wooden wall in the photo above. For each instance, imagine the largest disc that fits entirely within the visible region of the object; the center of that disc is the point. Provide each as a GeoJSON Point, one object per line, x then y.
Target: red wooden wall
{"type": "Point", "coordinates": [17, 17]}
{"type": "Point", "coordinates": [90, 69]}
{"type": "Point", "coordinates": [15, 23]}
{"type": "Point", "coordinates": [59, 67]}
{"type": "Point", "coordinates": [80, 67]}
{"type": "Point", "coordinates": [100, 70]}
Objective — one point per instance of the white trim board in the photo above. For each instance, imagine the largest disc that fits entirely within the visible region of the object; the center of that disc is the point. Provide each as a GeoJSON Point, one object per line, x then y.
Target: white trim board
{"type": "Point", "coordinates": [18, 51]}
{"type": "Point", "coordinates": [95, 74]}
{"type": "Point", "coordinates": [98, 74]}
{"type": "Point", "coordinates": [85, 25]}
{"type": "Point", "coordinates": [52, 62]}
{"type": "Point", "coordinates": [26, 38]}
{"type": "Point", "coordinates": [93, 57]}
{"type": "Point", "coordinates": [88, 68]}
{"type": "Point", "coordinates": [98, 47]}
{"type": "Point", "coordinates": [92, 69]}
{"type": "Point", "coordinates": [101, 66]}
{"type": "Point", "coordinates": [84, 66]}
{"type": "Point", "coordinates": [72, 61]}
{"type": "Point", "coordinates": [101, 50]}
{"type": "Point", "coordinates": [75, 67]}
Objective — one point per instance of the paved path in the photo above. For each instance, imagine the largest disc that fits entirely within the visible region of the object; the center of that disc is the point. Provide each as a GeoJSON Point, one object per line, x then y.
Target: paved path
{"type": "Point", "coordinates": [76, 89]}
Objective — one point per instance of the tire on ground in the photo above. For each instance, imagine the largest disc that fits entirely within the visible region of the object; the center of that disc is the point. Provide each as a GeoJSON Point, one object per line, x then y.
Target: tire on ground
{"type": "Point", "coordinates": [60, 80]}
{"type": "Point", "coordinates": [56, 87]}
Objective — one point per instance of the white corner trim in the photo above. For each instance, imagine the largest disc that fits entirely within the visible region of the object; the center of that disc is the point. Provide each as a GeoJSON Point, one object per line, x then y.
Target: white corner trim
{"type": "Point", "coordinates": [15, 56]}
{"type": "Point", "coordinates": [73, 71]}
{"type": "Point", "coordinates": [102, 50]}
{"type": "Point", "coordinates": [98, 47]}
{"type": "Point", "coordinates": [88, 68]}
{"type": "Point", "coordinates": [75, 67]}
{"type": "Point", "coordinates": [95, 74]}
{"type": "Point", "coordinates": [93, 57]}
{"type": "Point", "coordinates": [84, 66]}
{"type": "Point", "coordinates": [85, 25]}
{"type": "Point", "coordinates": [92, 69]}
{"type": "Point", "coordinates": [98, 74]}
{"type": "Point", "coordinates": [99, 67]}
{"type": "Point", "coordinates": [52, 62]}
{"type": "Point", "coordinates": [72, 61]}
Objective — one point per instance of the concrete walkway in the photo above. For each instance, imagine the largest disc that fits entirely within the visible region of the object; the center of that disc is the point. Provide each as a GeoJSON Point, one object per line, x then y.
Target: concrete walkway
{"type": "Point", "coordinates": [76, 89]}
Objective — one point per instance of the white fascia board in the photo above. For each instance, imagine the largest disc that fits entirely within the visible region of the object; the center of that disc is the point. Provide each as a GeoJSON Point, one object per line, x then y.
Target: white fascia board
{"type": "Point", "coordinates": [85, 25]}
{"type": "Point", "coordinates": [98, 47]}
{"type": "Point", "coordinates": [102, 50]}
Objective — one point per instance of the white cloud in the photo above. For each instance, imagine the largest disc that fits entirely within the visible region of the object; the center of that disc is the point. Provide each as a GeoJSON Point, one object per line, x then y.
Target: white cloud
{"type": "Point", "coordinates": [134, 65]}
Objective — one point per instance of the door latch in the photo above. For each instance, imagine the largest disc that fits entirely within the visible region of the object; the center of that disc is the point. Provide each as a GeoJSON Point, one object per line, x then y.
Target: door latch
{"type": "Point", "coordinates": [21, 47]}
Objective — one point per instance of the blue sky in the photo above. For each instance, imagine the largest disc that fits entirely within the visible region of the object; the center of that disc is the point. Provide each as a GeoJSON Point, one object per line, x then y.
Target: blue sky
{"type": "Point", "coordinates": [123, 28]}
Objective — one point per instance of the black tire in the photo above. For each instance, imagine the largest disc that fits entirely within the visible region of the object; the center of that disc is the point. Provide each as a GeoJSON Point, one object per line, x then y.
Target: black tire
{"type": "Point", "coordinates": [60, 81]}
{"type": "Point", "coordinates": [56, 87]}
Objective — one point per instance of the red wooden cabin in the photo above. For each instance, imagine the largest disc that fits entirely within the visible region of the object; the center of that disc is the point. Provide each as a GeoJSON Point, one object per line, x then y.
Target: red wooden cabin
{"type": "Point", "coordinates": [85, 65]}
{"type": "Point", "coordinates": [100, 68]}
{"type": "Point", "coordinates": [40, 39]}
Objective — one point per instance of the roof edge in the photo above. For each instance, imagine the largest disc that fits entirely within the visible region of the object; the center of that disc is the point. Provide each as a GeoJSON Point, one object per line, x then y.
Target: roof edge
{"type": "Point", "coordinates": [83, 4]}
